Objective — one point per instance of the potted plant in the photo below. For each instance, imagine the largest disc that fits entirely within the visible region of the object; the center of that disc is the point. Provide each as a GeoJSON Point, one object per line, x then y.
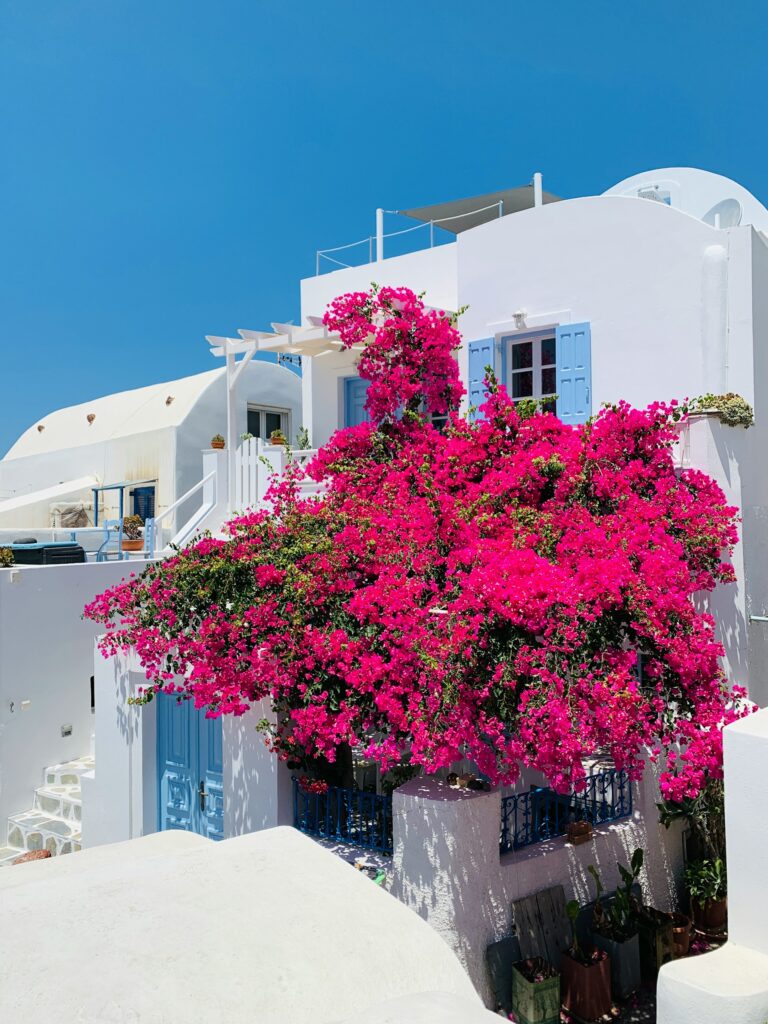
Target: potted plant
{"type": "Point", "coordinates": [278, 437]}
{"type": "Point", "coordinates": [615, 928]}
{"type": "Point", "coordinates": [217, 441]}
{"type": "Point", "coordinates": [132, 538]}
{"type": "Point", "coordinates": [707, 886]}
{"type": "Point", "coordinates": [6, 558]}
{"type": "Point", "coordinates": [586, 975]}
{"type": "Point", "coordinates": [535, 992]}
{"type": "Point", "coordinates": [247, 436]}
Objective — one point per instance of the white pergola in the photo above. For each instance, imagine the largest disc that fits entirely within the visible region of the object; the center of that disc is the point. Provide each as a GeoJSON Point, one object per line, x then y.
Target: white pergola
{"type": "Point", "coordinates": [312, 341]}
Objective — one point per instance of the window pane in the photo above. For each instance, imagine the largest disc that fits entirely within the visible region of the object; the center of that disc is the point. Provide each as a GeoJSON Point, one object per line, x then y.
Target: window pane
{"type": "Point", "coordinates": [548, 349]}
{"type": "Point", "coordinates": [522, 384]}
{"type": "Point", "coordinates": [274, 421]}
{"type": "Point", "coordinates": [548, 381]}
{"type": "Point", "coordinates": [522, 355]}
{"type": "Point", "coordinates": [254, 423]}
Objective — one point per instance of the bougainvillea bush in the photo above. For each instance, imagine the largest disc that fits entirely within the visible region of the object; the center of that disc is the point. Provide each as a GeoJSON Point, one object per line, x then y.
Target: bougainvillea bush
{"type": "Point", "coordinates": [481, 591]}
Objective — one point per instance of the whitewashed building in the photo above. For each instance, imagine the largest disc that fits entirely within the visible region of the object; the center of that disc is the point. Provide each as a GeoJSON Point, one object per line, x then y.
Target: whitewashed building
{"type": "Point", "coordinates": [149, 439]}
{"type": "Point", "coordinates": [655, 290]}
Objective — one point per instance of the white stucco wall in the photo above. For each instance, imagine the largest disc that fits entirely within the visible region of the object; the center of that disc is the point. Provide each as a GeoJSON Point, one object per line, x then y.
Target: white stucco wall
{"type": "Point", "coordinates": [447, 866]}
{"type": "Point", "coordinates": [429, 270]}
{"type": "Point", "coordinates": [46, 661]}
{"type": "Point", "coordinates": [634, 270]}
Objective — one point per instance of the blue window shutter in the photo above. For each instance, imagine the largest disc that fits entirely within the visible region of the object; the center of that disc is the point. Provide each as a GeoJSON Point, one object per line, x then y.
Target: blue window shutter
{"type": "Point", "coordinates": [574, 372]}
{"type": "Point", "coordinates": [481, 354]}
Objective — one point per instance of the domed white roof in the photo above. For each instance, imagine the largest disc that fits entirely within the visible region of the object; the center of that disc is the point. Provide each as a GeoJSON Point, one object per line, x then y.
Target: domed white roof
{"type": "Point", "coordinates": [120, 415]}
{"type": "Point", "coordinates": [709, 197]}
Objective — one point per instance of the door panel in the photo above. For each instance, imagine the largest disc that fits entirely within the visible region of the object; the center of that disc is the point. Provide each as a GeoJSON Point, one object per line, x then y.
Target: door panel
{"type": "Point", "coordinates": [177, 756]}
{"type": "Point", "coordinates": [355, 391]}
{"type": "Point", "coordinates": [212, 774]}
{"type": "Point", "coordinates": [189, 753]}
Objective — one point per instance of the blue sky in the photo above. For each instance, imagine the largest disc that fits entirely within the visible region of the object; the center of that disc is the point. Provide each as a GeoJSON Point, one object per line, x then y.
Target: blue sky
{"type": "Point", "coordinates": [168, 168]}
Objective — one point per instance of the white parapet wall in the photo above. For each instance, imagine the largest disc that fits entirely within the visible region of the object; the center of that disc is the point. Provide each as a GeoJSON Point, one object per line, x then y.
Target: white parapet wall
{"type": "Point", "coordinates": [447, 866]}
{"type": "Point", "coordinates": [46, 664]}
{"type": "Point", "coordinates": [730, 985]}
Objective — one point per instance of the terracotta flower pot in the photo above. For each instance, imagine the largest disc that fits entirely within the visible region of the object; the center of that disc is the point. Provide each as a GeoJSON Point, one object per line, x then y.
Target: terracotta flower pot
{"type": "Point", "coordinates": [218, 444]}
{"type": "Point", "coordinates": [132, 545]}
{"type": "Point", "coordinates": [711, 916]}
{"type": "Point", "coordinates": [681, 934]}
{"type": "Point", "coordinates": [586, 987]}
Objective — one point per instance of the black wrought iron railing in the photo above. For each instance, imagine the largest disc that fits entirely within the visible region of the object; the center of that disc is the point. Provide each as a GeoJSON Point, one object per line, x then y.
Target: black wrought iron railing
{"type": "Point", "coordinates": [345, 816]}
{"type": "Point", "coordinates": [540, 814]}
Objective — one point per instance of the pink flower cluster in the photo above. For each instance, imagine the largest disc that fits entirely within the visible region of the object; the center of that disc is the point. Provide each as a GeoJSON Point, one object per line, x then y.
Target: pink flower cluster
{"type": "Point", "coordinates": [483, 592]}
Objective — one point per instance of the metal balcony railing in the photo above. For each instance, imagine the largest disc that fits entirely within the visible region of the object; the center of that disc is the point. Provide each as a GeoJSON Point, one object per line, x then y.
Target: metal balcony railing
{"type": "Point", "coordinates": [540, 814]}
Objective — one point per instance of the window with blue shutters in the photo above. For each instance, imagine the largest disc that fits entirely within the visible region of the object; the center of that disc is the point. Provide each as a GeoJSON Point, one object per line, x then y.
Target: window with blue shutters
{"type": "Point", "coordinates": [574, 372]}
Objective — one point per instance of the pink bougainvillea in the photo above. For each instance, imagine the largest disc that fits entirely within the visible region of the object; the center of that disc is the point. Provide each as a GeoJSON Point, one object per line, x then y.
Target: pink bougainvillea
{"type": "Point", "coordinates": [484, 591]}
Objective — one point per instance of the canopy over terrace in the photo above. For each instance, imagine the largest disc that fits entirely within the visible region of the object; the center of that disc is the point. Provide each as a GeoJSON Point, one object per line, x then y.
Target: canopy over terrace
{"type": "Point", "coordinates": [462, 214]}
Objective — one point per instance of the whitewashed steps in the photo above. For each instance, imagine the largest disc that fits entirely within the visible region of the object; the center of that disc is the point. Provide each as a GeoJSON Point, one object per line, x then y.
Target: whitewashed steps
{"type": "Point", "coordinates": [59, 801]}
{"type": "Point", "coordinates": [53, 823]}
{"type": "Point", "coordinates": [32, 830]}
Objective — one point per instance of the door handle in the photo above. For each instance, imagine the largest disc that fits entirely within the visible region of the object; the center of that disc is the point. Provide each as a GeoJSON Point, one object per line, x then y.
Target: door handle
{"type": "Point", "coordinates": [202, 794]}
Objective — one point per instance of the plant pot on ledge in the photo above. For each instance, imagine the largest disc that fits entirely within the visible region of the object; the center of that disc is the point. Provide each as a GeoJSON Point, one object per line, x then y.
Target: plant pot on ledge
{"type": "Point", "coordinates": [535, 992]}
{"type": "Point", "coordinates": [132, 539]}
{"type": "Point", "coordinates": [217, 441]}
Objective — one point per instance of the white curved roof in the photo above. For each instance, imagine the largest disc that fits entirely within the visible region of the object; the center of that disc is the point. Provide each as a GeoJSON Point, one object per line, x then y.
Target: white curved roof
{"type": "Point", "coordinates": [701, 194]}
{"type": "Point", "coordinates": [119, 415]}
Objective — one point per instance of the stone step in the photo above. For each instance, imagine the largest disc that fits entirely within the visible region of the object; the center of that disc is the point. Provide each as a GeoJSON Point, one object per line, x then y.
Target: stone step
{"type": "Point", "coordinates": [59, 801]}
{"type": "Point", "coordinates": [68, 773]}
{"type": "Point", "coordinates": [33, 830]}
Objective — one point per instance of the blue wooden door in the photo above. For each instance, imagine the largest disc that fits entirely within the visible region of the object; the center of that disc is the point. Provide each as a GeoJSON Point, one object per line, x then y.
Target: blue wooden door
{"type": "Point", "coordinates": [355, 391]}
{"type": "Point", "coordinates": [190, 769]}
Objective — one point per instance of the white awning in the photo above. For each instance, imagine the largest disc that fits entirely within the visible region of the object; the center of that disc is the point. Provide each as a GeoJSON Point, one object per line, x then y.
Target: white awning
{"type": "Point", "coordinates": [49, 493]}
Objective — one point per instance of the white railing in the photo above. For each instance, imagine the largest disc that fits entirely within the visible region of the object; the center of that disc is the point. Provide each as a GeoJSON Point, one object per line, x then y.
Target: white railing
{"type": "Point", "coordinates": [195, 521]}
{"type": "Point", "coordinates": [366, 245]}
{"type": "Point", "coordinates": [255, 465]}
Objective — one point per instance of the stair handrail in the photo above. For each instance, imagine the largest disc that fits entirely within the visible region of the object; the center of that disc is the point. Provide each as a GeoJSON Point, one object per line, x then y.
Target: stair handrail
{"type": "Point", "coordinates": [150, 527]}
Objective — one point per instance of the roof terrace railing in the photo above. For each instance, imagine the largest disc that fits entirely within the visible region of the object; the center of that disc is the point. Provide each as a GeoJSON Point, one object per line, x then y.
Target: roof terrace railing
{"type": "Point", "coordinates": [374, 243]}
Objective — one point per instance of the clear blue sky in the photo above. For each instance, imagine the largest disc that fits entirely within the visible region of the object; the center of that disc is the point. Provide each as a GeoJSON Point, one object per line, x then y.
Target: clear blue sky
{"type": "Point", "coordinates": [168, 168]}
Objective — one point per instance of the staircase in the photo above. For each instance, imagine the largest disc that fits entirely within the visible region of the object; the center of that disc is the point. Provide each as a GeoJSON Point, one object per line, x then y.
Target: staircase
{"type": "Point", "coordinates": [53, 823]}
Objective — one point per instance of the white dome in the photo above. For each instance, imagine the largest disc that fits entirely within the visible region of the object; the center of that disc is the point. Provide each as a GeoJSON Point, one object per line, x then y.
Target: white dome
{"type": "Point", "coordinates": [708, 197]}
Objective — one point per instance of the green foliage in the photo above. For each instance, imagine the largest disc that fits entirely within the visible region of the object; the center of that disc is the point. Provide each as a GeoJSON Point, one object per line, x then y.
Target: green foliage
{"type": "Point", "coordinates": [731, 409]}
{"type": "Point", "coordinates": [302, 439]}
{"type": "Point", "coordinates": [706, 880]}
{"type": "Point", "coordinates": [705, 818]}
{"type": "Point", "coordinates": [278, 437]}
{"type": "Point", "coordinates": [217, 439]}
{"type": "Point", "coordinates": [6, 558]}
{"type": "Point", "coordinates": [247, 436]}
{"type": "Point", "coordinates": [617, 918]}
